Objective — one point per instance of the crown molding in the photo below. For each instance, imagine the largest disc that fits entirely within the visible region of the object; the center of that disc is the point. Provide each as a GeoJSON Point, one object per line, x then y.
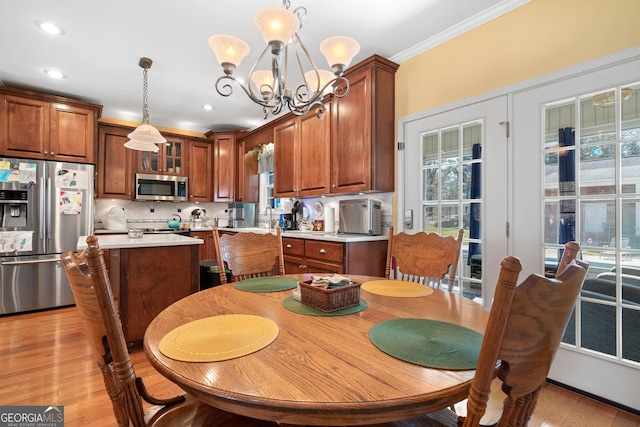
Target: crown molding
{"type": "Point", "coordinates": [457, 30]}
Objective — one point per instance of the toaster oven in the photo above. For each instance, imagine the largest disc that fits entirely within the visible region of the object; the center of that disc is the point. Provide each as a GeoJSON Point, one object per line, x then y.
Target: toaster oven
{"type": "Point", "coordinates": [360, 216]}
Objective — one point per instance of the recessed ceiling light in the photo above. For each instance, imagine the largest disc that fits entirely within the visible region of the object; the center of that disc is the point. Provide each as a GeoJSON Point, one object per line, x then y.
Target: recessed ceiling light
{"type": "Point", "coordinates": [207, 107]}
{"type": "Point", "coordinates": [54, 74]}
{"type": "Point", "coordinates": [50, 28]}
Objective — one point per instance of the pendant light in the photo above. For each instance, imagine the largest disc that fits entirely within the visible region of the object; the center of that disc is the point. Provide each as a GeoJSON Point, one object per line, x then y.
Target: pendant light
{"type": "Point", "coordinates": [145, 137]}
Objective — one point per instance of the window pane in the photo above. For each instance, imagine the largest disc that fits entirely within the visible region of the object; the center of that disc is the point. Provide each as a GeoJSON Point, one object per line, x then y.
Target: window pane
{"type": "Point", "coordinates": [630, 111]}
{"type": "Point", "coordinates": [551, 226]}
{"type": "Point", "coordinates": [631, 326]}
{"type": "Point", "coordinates": [431, 218]}
{"type": "Point", "coordinates": [449, 221]}
{"type": "Point", "coordinates": [597, 118]}
{"type": "Point", "coordinates": [471, 134]}
{"type": "Point", "coordinates": [450, 144]}
{"type": "Point", "coordinates": [597, 222]}
{"type": "Point", "coordinates": [450, 187]}
{"type": "Point", "coordinates": [430, 149]}
{"type": "Point", "coordinates": [630, 167]}
{"type": "Point", "coordinates": [597, 169]}
{"type": "Point", "coordinates": [430, 180]}
{"type": "Point", "coordinates": [598, 325]}
{"type": "Point", "coordinates": [558, 117]}
{"type": "Point", "coordinates": [630, 220]}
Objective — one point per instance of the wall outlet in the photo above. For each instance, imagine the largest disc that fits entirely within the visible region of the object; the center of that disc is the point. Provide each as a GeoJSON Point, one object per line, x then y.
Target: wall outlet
{"type": "Point", "coordinates": [152, 210]}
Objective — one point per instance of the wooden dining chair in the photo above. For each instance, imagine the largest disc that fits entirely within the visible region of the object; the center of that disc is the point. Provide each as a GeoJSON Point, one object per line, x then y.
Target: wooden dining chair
{"type": "Point", "coordinates": [423, 257]}
{"type": "Point", "coordinates": [525, 327]}
{"type": "Point", "coordinates": [249, 255]}
{"type": "Point", "coordinates": [93, 297]}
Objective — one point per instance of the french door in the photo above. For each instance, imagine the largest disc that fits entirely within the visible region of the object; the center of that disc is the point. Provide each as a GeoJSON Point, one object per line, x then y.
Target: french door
{"type": "Point", "coordinates": [453, 174]}
{"type": "Point", "coordinates": [576, 147]}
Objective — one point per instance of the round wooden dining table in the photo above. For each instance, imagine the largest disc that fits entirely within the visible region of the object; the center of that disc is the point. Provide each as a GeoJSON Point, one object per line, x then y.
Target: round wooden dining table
{"type": "Point", "coordinates": [320, 370]}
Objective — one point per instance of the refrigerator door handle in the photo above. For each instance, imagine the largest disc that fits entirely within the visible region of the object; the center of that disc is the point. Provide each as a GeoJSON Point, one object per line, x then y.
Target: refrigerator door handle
{"type": "Point", "coordinates": [39, 261]}
{"type": "Point", "coordinates": [49, 209]}
{"type": "Point", "coordinates": [41, 212]}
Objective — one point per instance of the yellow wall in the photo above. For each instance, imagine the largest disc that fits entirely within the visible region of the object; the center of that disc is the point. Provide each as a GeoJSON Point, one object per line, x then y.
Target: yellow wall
{"type": "Point", "coordinates": [538, 38]}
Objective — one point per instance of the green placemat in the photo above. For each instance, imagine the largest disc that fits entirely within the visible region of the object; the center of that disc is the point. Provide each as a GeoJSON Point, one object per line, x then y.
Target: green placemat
{"type": "Point", "coordinates": [429, 343]}
{"type": "Point", "coordinates": [300, 308]}
{"type": "Point", "coordinates": [266, 284]}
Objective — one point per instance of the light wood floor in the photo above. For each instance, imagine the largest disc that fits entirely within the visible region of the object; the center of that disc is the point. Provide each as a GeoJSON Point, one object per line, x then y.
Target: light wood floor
{"type": "Point", "coordinates": [45, 360]}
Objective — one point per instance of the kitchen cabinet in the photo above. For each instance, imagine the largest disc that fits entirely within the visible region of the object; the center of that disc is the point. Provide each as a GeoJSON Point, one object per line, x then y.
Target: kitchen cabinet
{"type": "Point", "coordinates": [224, 166]}
{"type": "Point", "coordinates": [40, 126]}
{"type": "Point", "coordinates": [319, 256]}
{"type": "Point", "coordinates": [206, 251]}
{"type": "Point", "coordinates": [115, 163]}
{"type": "Point", "coordinates": [200, 171]}
{"type": "Point", "coordinates": [169, 160]}
{"type": "Point", "coordinates": [363, 123]}
{"type": "Point", "coordinates": [302, 155]}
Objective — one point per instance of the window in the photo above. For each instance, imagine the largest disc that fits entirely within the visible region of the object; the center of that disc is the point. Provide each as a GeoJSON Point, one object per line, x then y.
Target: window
{"type": "Point", "coordinates": [451, 196]}
{"type": "Point", "coordinates": [592, 195]}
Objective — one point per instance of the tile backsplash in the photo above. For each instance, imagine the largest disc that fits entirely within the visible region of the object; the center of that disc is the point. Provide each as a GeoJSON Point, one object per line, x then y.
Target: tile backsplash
{"type": "Point", "coordinates": [140, 212]}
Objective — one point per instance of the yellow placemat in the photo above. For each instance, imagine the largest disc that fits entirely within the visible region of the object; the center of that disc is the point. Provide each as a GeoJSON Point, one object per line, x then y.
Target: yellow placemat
{"type": "Point", "coordinates": [219, 338]}
{"type": "Point", "coordinates": [396, 288]}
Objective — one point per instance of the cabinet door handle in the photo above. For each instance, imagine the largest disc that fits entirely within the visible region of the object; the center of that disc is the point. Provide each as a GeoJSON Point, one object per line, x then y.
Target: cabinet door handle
{"type": "Point", "coordinates": [53, 154]}
{"type": "Point", "coordinates": [288, 246]}
{"type": "Point", "coordinates": [46, 152]}
{"type": "Point", "coordinates": [322, 251]}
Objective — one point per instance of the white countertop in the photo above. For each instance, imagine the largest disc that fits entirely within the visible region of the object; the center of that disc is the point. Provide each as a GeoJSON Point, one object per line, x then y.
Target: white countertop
{"type": "Point", "coordinates": [314, 235]}
{"type": "Point", "coordinates": [122, 241]}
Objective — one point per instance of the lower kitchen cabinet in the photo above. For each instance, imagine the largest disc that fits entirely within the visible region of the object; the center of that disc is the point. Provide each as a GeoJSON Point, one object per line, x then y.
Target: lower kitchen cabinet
{"type": "Point", "coordinates": [207, 249]}
{"type": "Point", "coordinates": [319, 256]}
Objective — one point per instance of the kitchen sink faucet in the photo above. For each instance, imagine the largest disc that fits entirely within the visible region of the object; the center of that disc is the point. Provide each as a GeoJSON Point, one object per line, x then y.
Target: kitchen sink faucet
{"type": "Point", "coordinates": [269, 209]}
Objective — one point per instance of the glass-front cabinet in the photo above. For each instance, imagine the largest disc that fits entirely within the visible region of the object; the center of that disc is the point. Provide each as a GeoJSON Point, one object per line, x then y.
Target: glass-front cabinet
{"type": "Point", "coordinates": [169, 160]}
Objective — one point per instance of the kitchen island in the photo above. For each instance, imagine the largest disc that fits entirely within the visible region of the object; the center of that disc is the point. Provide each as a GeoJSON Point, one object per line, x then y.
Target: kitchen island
{"type": "Point", "coordinates": [148, 274]}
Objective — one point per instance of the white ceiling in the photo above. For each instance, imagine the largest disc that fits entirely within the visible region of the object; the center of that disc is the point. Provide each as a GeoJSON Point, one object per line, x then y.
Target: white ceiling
{"type": "Point", "coordinates": [102, 43]}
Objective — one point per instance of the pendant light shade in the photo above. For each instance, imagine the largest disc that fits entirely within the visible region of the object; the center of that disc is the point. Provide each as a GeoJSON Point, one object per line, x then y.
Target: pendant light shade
{"type": "Point", "coordinates": [339, 50]}
{"type": "Point", "coordinates": [276, 24]}
{"type": "Point", "coordinates": [228, 49]}
{"type": "Point", "coordinates": [145, 137]}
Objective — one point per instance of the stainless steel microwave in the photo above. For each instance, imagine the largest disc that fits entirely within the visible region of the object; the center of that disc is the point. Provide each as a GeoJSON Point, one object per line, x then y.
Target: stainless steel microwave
{"type": "Point", "coordinates": [161, 187]}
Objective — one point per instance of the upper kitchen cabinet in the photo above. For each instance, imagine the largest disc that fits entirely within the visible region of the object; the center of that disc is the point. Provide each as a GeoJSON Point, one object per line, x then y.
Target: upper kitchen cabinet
{"type": "Point", "coordinates": [247, 178]}
{"type": "Point", "coordinates": [224, 165]}
{"type": "Point", "coordinates": [115, 163]}
{"type": "Point", "coordinates": [41, 126]}
{"type": "Point", "coordinates": [169, 160]}
{"type": "Point", "coordinates": [362, 154]}
{"type": "Point", "coordinates": [301, 165]}
{"type": "Point", "coordinates": [200, 170]}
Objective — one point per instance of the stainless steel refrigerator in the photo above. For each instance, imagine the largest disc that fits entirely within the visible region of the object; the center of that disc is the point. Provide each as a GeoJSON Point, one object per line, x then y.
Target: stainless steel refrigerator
{"type": "Point", "coordinates": [45, 207]}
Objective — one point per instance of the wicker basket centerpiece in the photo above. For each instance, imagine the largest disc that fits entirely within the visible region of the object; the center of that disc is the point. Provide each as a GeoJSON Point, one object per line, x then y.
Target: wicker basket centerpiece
{"type": "Point", "coordinates": [331, 298]}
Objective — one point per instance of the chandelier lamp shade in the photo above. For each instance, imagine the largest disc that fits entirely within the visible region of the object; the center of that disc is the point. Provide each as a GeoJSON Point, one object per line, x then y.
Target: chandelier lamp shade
{"type": "Point", "coordinates": [293, 81]}
{"type": "Point", "coordinates": [145, 137]}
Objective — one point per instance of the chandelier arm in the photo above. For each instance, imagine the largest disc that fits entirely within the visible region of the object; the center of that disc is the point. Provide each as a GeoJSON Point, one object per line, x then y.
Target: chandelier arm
{"type": "Point", "coordinates": [227, 90]}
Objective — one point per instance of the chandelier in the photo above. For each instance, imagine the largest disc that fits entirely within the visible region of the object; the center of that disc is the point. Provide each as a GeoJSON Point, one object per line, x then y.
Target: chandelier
{"type": "Point", "coordinates": [283, 86]}
{"type": "Point", "coordinates": [145, 137]}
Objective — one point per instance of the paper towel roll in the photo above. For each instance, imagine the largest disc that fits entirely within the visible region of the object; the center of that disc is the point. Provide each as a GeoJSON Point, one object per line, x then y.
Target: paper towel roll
{"type": "Point", "coordinates": [330, 220]}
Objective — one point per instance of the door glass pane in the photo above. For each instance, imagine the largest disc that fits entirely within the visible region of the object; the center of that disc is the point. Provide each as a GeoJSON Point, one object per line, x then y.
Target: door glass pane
{"type": "Point", "coordinates": [600, 155]}
{"type": "Point", "coordinates": [430, 150]}
{"type": "Point", "coordinates": [630, 326]}
{"type": "Point", "coordinates": [450, 187]}
{"type": "Point", "coordinates": [630, 112]}
{"type": "Point", "coordinates": [430, 180]}
{"type": "Point", "coordinates": [597, 169]}
{"type": "Point", "coordinates": [452, 197]}
{"type": "Point", "coordinates": [598, 324]}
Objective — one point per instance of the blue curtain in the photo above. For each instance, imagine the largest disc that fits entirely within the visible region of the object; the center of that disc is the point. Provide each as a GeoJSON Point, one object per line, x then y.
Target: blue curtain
{"type": "Point", "coordinates": [567, 186]}
{"type": "Point", "coordinates": [475, 193]}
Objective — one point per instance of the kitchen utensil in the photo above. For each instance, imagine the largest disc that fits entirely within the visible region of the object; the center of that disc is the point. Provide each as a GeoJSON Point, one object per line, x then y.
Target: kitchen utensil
{"type": "Point", "coordinates": [173, 223]}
